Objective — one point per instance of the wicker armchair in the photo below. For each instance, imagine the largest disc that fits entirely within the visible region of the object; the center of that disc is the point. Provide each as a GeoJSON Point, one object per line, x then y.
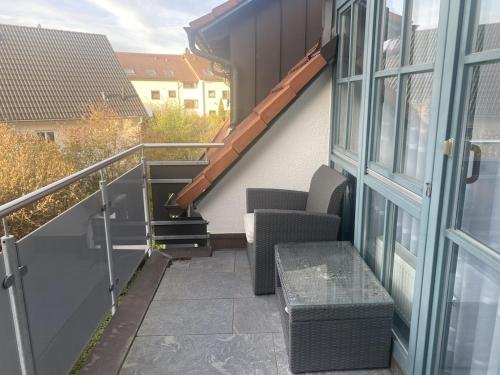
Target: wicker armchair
{"type": "Point", "coordinates": [279, 216]}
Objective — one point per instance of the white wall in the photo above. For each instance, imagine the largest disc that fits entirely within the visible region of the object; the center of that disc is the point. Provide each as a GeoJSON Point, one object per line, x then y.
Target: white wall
{"type": "Point", "coordinates": [144, 89]}
{"type": "Point", "coordinates": [285, 157]}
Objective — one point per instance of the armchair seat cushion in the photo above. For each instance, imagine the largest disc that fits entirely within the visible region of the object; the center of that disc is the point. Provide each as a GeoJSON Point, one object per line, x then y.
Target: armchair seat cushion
{"type": "Point", "coordinates": [249, 223]}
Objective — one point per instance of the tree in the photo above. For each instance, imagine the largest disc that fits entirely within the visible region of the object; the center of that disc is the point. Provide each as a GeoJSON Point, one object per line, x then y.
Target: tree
{"type": "Point", "coordinates": [221, 111]}
{"type": "Point", "coordinates": [174, 124]}
{"type": "Point", "coordinates": [28, 163]}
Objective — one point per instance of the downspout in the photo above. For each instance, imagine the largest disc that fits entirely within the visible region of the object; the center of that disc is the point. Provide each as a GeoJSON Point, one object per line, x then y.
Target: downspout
{"type": "Point", "coordinates": [225, 63]}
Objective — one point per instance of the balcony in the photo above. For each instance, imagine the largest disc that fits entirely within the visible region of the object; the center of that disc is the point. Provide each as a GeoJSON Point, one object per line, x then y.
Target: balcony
{"type": "Point", "coordinates": [182, 313]}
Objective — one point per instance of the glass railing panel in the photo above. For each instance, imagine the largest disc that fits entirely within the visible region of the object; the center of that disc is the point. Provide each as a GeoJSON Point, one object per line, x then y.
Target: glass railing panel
{"type": "Point", "coordinates": [66, 288]}
{"type": "Point", "coordinates": [9, 358]}
{"type": "Point", "coordinates": [128, 224]}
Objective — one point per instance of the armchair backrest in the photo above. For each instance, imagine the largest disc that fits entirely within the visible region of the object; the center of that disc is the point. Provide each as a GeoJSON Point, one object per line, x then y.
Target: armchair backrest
{"type": "Point", "coordinates": [326, 191]}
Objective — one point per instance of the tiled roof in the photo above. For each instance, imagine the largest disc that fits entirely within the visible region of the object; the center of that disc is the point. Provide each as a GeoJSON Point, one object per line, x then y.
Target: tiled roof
{"type": "Point", "coordinates": [201, 67]}
{"type": "Point", "coordinates": [155, 67]}
{"type": "Point", "coordinates": [160, 67]}
{"type": "Point", "coordinates": [58, 75]}
{"type": "Point", "coordinates": [261, 118]}
{"type": "Point", "coordinates": [216, 13]}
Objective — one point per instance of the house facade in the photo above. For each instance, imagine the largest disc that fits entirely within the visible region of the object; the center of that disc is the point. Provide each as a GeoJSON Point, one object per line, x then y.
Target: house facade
{"type": "Point", "coordinates": [185, 80]}
{"type": "Point", "coordinates": [52, 79]}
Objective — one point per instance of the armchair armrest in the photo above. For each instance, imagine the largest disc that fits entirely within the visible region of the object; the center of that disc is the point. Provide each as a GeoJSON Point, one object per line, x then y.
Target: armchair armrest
{"type": "Point", "coordinates": [279, 226]}
{"type": "Point", "coordinates": [275, 199]}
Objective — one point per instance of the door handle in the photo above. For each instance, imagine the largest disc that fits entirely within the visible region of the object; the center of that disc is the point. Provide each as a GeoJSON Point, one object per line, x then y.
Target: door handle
{"type": "Point", "coordinates": [476, 164]}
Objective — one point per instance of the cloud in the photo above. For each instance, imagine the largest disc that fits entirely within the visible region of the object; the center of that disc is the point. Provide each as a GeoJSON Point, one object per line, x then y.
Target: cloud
{"type": "Point", "coordinates": [130, 25]}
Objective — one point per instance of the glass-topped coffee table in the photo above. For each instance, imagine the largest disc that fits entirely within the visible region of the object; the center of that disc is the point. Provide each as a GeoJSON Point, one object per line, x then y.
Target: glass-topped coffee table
{"type": "Point", "coordinates": [335, 313]}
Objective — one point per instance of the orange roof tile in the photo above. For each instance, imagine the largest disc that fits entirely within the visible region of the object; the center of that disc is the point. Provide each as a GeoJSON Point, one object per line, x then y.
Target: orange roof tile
{"type": "Point", "coordinates": [244, 135]}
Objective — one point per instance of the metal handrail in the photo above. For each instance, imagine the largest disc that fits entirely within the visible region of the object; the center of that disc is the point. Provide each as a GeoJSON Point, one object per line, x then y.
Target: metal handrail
{"type": "Point", "coordinates": [24, 200]}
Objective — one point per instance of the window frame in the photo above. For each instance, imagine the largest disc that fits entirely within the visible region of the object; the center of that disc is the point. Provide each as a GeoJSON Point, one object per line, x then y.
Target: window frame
{"type": "Point", "coordinates": [155, 95]}
{"type": "Point", "coordinates": [212, 94]}
{"type": "Point", "coordinates": [172, 94]}
{"type": "Point", "coordinates": [396, 191]}
{"type": "Point", "coordinates": [337, 148]}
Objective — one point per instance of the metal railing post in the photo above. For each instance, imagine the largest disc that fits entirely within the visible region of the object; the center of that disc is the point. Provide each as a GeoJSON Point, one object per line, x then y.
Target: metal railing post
{"type": "Point", "coordinates": [146, 205]}
{"type": "Point", "coordinates": [109, 242]}
{"type": "Point", "coordinates": [13, 283]}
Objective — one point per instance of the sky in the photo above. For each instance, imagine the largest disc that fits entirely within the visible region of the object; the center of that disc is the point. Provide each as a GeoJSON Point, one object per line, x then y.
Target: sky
{"type": "Point", "coordinates": [154, 26]}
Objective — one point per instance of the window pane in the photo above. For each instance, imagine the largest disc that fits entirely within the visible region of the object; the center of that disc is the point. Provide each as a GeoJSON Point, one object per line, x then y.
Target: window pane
{"type": "Point", "coordinates": [355, 105]}
{"type": "Point", "coordinates": [360, 7]}
{"type": "Point", "coordinates": [418, 95]}
{"type": "Point", "coordinates": [391, 34]}
{"type": "Point", "coordinates": [423, 31]}
{"type": "Point", "coordinates": [374, 229]}
{"type": "Point", "coordinates": [385, 120]}
{"type": "Point", "coordinates": [403, 270]}
{"type": "Point", "coordinates": [345, 37]}
{"type": "Point", "coordinates": [486, 27]}
{"type": "Point", "coordinates": [343, 112]}
{"type": "Point", "coordinates": [479, 213]}
{"type": "Point", "coordinates": [472, 343]}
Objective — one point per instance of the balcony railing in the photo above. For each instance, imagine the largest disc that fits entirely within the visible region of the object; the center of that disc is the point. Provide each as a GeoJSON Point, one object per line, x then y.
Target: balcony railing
{"type": "Point", "coordinates": [60, 281]}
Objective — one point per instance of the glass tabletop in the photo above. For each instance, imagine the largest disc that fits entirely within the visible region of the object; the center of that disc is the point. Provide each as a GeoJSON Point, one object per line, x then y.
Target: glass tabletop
{"type": "Point", "coordinates": [327, 273]}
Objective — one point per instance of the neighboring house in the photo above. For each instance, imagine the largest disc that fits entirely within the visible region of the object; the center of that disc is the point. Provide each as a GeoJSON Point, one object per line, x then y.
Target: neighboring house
{"type": "Point", "coordinates": [51, 79]}
{"type": "Point", "coordinates": [186, 80]}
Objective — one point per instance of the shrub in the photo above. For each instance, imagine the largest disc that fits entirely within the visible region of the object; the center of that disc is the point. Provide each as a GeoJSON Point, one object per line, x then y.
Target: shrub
{"type": "Point", "coordinates": [28, 163]}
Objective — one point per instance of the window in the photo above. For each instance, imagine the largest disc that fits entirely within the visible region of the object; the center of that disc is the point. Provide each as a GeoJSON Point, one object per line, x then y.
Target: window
{"type": "Point", "coordinates": [212, 113]}
{"type": "Point", "coordinates": [190, 103]}
{"type": "Point", "coordinates": [211, 94]}
{"type": "Point", "coordinates": [391, 250]}
{"type": "Point", "coordinates": [350, 77]}
{"type": "Point", "coordinates": [155, 95]}
{"type": "Point", "coordinates": [225, 94]}
{"type": "Point", "coordinates": [46, 135]}
{"type": "Point", "coordinates": [189, 85]}
{"type": "Point", "coordinates": [151, 72]}
{"type": "Point", "coordinates": [473, 317]}
{"type": "Point", "coordinates": [129, 71]}
{"type": "Point", "coordinates": [172, 94]}
{"type": "Point", "coordinates": [403, 89]}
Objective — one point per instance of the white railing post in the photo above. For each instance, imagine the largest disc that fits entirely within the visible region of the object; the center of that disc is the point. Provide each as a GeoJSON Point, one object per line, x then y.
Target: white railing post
{"type": "Point", "coordinates": [13, 283]}
{"type": "Point", "coordinates": [146, 205]}
{"type": "Point", "coordinates": [106, 205]}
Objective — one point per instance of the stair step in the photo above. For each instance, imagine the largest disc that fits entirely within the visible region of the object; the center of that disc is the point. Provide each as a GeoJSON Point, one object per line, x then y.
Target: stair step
{"type": "Point", "coordinates": [179, 162]}
{"type": "Point", "coordinates": [182, 237]}
{"type": "Point", "coordinates": [179, 222]}
{"type": "Point", "coordinates": [170, 180]}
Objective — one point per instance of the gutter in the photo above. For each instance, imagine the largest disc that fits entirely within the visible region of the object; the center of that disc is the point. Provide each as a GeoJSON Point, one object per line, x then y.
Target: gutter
{"type": "Point", "coordinates": [219, 60]}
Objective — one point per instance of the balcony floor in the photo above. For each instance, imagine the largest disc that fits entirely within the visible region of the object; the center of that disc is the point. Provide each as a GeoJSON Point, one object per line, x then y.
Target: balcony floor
{"type": "Point", "coordinates": [204, 319]}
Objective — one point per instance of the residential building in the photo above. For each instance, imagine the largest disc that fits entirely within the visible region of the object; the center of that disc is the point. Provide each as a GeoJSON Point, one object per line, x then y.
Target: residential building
{"type": "Point", "coordinates": [185, 80]}
{"type": "Point", "coordinates": [406, 108]}
{"type": "Point", "coordinates": [51, 79]}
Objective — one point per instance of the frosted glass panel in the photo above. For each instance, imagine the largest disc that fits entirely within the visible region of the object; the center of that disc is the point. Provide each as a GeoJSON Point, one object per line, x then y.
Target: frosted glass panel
{"type": "Point", "coordinates": [9, 358]}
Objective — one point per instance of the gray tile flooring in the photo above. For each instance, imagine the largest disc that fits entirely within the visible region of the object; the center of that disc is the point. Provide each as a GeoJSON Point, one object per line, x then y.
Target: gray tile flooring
{"type": "Point", "coordinates": [205, 319]}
